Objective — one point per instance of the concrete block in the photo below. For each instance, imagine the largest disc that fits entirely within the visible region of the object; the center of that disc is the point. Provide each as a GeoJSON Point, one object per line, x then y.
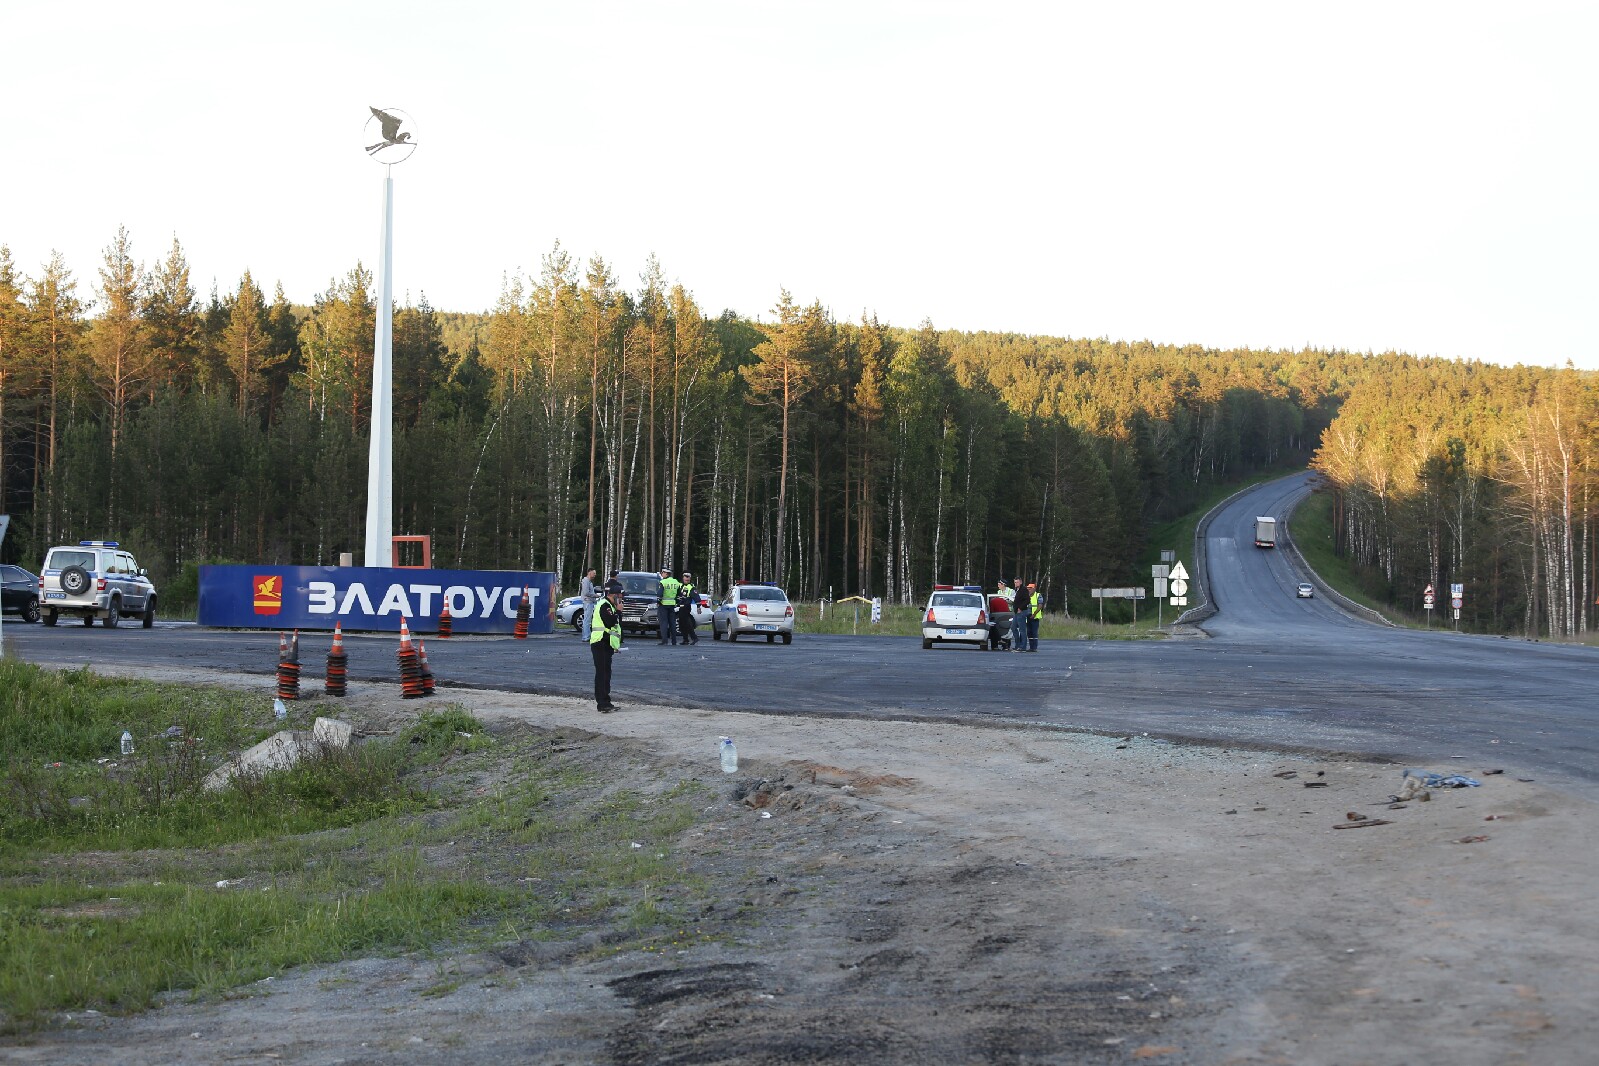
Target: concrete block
{"type": "Point", "coordinates": [332, 732]}
{"type": "Point", "coordinates": [277, 752]}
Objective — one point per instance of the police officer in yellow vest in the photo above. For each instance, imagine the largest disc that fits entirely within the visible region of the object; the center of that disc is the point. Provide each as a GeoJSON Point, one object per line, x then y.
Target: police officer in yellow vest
{"type": "Point", "coordinates": [605, 640]}
{"type": "Point", "coordinates": [666, 611]}
{"type": "Point", "coordinates": [1035, 614]}
{"type": "Point", "coordinates": [686, 626]}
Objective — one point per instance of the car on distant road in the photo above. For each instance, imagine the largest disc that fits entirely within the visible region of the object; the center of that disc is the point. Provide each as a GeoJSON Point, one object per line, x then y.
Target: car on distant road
{"type": "Point", "coordinates": [956, 614]}
{"type": "Point", "coordinates": [754, 608]}
{"type": "Point", "coordinates": [21, 592]}
{"type": "Point", "coordinates": [1305, 590]}
{"type": "Point", "coordinates": [94, 579]}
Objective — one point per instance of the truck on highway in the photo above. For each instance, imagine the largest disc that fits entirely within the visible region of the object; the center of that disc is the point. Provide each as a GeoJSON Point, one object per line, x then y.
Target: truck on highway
{"type": "Point", "coordinates": [1265, 532]}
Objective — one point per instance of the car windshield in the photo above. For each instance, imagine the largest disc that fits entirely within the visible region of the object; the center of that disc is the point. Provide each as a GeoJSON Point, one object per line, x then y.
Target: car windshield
{"type": "Point", "coordinates": [761, 594]}
{"type": "Point", "coordinates": [957, 599]}
{"type": "Point", "coordinates": [640, 585]}
{"type": "Point", "coordinates": [60, 560]}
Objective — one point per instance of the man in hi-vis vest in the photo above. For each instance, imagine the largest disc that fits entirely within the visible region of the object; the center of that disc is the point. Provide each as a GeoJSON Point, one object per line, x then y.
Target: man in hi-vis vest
{"type": "Point", "coordinates": [666, 610]}
{"type": "Point", "coordinates": [605, 640]}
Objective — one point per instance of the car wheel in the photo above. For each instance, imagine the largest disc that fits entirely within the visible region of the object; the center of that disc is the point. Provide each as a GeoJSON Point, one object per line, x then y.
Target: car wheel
{"type": "Point", "coordinates": [732, 637]}
{"type": "Point", "coordinates": [30, 612]}
{"type": "Point", "coordinates": [74, 581]}
{"type": "Point", "coordinates": [788, 638]}
{"type": "Point", "coordinates": [577, 620]}
{"type": "Point", "coordinates": [149, 613]}
{"type": "Point", "coordinates": [113, 614]}
{"type": "Point", "coordinates": [716, 634]}
{"type": "Point", "coordinates": [927, 645]}
{"type": "Point", "coordinates": [48, 618]}
{"type": "Point", "coordinates": [770, 637]}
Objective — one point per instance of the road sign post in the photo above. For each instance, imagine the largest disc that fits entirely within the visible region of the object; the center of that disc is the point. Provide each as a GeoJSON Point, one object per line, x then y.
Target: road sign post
{"type": "Point", "coordinates": [1426, 604]}
{"type": "Point", "coordinates": [1179, 585]}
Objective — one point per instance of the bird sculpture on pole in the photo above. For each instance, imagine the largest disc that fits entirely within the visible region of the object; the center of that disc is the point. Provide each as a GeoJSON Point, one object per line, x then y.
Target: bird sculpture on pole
{"type": "Point", "coordinates": [391, 131]}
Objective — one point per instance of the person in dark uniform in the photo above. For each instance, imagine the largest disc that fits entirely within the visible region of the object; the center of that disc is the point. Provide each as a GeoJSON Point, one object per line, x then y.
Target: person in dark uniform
{"type": "Point", "coordinates": [605, 640]}
{"type": "Point", "coordinates": [685, 610]}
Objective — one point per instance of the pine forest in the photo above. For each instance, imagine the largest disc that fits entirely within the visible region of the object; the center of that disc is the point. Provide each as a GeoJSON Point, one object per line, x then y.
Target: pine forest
{"type": "Point", "coordinates": [589, 419]}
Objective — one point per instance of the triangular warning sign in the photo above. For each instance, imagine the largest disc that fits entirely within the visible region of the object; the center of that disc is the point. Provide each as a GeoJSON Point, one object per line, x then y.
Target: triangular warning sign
{"type": "Point", "coordinates": [1178, 573]}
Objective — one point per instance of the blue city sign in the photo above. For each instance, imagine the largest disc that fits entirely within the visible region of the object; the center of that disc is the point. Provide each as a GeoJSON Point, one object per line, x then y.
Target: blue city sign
{"type": "Point", "coordinates": [372, 598]}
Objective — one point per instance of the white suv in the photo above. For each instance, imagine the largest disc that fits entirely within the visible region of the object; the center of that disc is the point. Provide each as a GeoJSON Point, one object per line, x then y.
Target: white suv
{"type": "Point", "coordinates": [94, 579]}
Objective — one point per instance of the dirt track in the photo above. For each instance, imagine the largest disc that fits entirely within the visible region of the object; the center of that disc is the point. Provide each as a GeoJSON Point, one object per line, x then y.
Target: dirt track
{"type": "Point", "coordinates": [946, 894]}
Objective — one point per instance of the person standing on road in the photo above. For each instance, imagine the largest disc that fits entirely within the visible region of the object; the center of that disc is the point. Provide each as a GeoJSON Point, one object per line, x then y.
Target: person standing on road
{"type": "Point", "coordinates": [1020, 605]}
{"type": "Point", "coordinates": [666, 610]}
{"type": "Point", "coordinates": [591, 595]}
{"type": "Point", "coordinates": [605, 640]}
{"type": "Point", "coordinates": [686, 625]}
{"type": "Point", "coordinates": [1035, 614]}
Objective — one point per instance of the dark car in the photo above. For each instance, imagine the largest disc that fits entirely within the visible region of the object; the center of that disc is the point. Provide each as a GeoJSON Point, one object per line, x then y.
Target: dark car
{"type": "Point", "coordinates": [641, 593]}
{"type": "Point", "coordinates": [21, 594]}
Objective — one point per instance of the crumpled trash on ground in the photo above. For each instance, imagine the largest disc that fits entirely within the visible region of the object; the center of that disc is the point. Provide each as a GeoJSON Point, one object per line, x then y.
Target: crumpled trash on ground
{"type": "Point", "coordinates": [1430, 779]}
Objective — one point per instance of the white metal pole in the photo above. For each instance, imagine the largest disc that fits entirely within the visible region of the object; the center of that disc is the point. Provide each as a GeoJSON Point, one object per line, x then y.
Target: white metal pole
{"type": "Point", "coordinates": [380, 464]}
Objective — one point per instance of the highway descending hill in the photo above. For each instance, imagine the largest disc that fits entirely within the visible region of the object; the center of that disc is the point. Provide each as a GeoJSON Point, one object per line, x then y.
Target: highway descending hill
{"type": "Point", "coordinates": [1276, 671]}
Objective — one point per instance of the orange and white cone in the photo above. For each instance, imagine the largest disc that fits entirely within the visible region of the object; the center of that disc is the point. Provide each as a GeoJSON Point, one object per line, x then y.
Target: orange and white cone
{"type": "Point", "coordinates": [338, 663]}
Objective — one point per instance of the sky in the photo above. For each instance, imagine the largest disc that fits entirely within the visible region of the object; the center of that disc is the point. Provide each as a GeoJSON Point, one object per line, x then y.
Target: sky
{"type": "Point", "coordinates": [1419, 177]}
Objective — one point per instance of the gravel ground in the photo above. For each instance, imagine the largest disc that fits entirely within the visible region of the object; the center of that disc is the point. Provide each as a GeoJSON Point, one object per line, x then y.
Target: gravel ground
{"type": "Point", "coordinates": [934, 893]}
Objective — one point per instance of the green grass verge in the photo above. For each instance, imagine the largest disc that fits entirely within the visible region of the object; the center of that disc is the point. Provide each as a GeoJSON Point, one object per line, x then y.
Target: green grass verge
{"type": "Point", "coordinates": [112, 896]}
{"type": "Point", "coordinates": [1312, 529]}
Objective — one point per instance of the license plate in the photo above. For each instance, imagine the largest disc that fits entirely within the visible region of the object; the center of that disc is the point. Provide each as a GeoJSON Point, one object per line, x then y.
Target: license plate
{"type": "Point", "coordinates": [954, 632]}
{"type": "Point", "coordinates": [759, 626]}
{"type": "Point", "coordinates": [55, 595]}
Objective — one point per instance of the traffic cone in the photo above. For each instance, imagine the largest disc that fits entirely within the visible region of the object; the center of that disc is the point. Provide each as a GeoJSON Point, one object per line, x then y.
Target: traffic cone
{"type": "Point", "coordinates": [338, 663]}
{"type": "Point", "coordinates": [446, 623]}
{"type": "Point", "coordinates": [523, 613]}
{"type": "Point", "coordinates": [423, 669]}
{"type": "Point", "coordinates": [289, 667]}
{"type": "Point", "coordinates": [410, 670]}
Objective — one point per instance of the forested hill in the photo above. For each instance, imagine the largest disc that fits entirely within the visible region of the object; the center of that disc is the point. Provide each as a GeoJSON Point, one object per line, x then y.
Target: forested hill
{"type": "Point", "coordinates": [584, 420]}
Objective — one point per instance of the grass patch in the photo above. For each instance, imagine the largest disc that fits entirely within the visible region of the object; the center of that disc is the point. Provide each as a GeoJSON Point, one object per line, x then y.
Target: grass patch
{"type": "Point", "coordinates": [441, 834]}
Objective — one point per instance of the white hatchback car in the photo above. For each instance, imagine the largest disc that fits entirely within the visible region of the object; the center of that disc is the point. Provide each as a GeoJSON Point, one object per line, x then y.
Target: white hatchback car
{"type": "Point", "coordinates": [956, 614]}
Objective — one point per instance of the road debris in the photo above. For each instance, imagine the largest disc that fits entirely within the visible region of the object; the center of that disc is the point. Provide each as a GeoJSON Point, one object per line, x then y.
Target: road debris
{"type": "Point", "coordinates": [1362, 824]}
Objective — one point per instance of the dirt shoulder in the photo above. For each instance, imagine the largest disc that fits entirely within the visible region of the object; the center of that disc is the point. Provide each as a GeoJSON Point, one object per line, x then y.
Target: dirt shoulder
{"type": "Point", "coordinates": [936, 893]}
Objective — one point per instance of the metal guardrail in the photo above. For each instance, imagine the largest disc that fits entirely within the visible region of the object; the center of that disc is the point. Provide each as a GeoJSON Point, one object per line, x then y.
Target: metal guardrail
{"type": "Point", "coordinates": [1285, 542]}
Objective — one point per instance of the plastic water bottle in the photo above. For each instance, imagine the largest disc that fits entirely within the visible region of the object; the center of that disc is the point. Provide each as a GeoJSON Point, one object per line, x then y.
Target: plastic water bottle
{"type": "Point", "coordinates": [279, 711]}
{"type": "Point", "coordinates": [729, 756]}
{"type": "Point", "coordinates": [127, 742]}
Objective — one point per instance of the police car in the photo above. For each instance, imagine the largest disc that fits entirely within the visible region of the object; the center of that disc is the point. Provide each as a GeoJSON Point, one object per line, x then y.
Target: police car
{"type": "Point", "coordinates": [956, 614]}
{"type": "Point", "coordinates": [94, 579]}
{"type": "Point", "coordinates": [754, 608]}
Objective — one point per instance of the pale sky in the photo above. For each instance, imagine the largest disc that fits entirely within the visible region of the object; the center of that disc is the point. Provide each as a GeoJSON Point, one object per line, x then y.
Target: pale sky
{"type": "Point", "coordinates": [1419, 177]}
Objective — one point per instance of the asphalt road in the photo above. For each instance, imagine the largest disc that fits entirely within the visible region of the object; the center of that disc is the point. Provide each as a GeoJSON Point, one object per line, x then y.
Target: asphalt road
{"type": "Point", "coordinates": [1278, 671]}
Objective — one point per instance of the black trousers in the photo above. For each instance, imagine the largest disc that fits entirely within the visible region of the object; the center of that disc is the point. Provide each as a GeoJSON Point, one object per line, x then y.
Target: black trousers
{"type": "Point", "coordinates": [603, 653]}
{"type": "Point", "coordinates": [686, 625]}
